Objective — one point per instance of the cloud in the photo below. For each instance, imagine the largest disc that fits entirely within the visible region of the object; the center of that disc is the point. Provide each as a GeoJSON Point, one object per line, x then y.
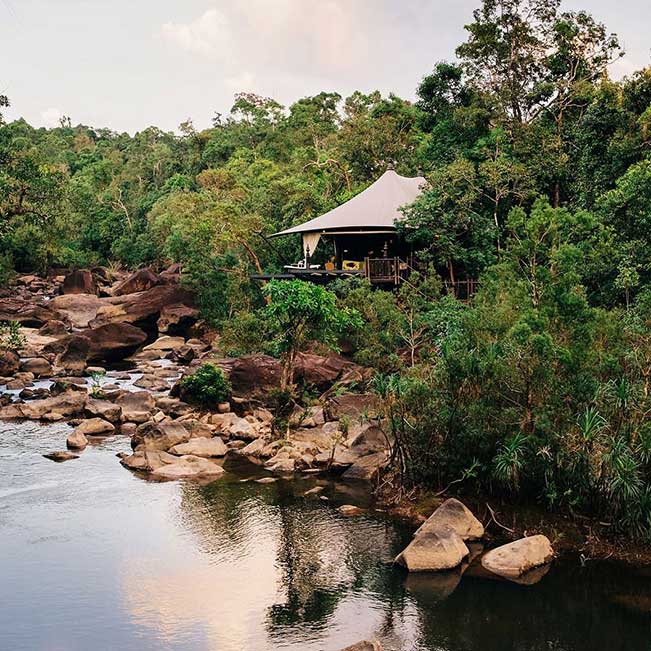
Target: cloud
{"type": "Point", "coordinates": [204, 35]}
{"type": "Point", "coordinates": [50, 117]}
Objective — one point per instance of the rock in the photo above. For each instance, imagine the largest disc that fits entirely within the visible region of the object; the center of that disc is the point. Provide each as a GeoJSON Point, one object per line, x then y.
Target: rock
{"type": "Point", "coordinates": [95, 427]}
{"type": "Point", "coordinates": [152, 383]}
{"type": "Point", "coordinates": [224, 407]}
{"type": "Point", "coordinates": [366, 468]}
{"type": "Point", "coordinates": [201, 447]}
{"type": "Point", "coordinates": [142, 307]}
{"type": "Point", "coordinates": [350, 509]}
{"type": "Point", "coordinates": [103, 409]}
{"type": "Point", "coordinates": [253, 449]}
{"type": "Point", "coordinates": [27, 313]}
{"type": "Point", "coordinates": [452, 513]}
{"type": "Point", "coordinates": [177, 318]}
{"type": "Point", "coordinates": [78, 309]}
{"type": "Point", "coordinates": [320, 372]}
{"type": "Point", "coordinates": [39, 366]}
{"type": "Point", "coordinates": [52, 417]}
{"type": "Point", "coordinates": [515, 559]}
{"type": "Point", "coordinates": [266, 480]}
{"type": "Point", "coordinates": [434, 550]}
{"type": "Point", "coordinates": [68, 403]}
{"type": "Point", "coordinates": [159, 436]}
{"type": "Point", "coordinates": [9, 363]}
{"type": "Point", "coordinates": [138, 281]}
{"type": "Point", "coordinates": [235, 426]}
{"type": "Point", "coordinates": [313, 491]}
{"type": "Point", "coordinates": [255, 374]}
{"type": "Point", "coordinates": [79, 281]}
{"type": "Point", "coordinates": [53, 328]}
{"type": "Point", "coordinates": [147, 460]}
{"type": "Point", "coordinates": [134, 404]}
{"type": "Point", "coordinates": [188, 467]}
{"type": "Point", "coordinates": [33, 394]}
{"type": "Point", "coordinates": [166, 343]}
{"type": "Point", "coordinates": [71, 352]}
{"type": "Point", "coordinates": [128, 429]}
{"type": "Point", "coordinates": [366, 645]}
{"type": "Point", "coordinates": [77, 440]}
{"type": "Point", "coordinates": [281, 466]}
{"type": "Point", "coordinates": [368, 438]}
{"type": "Point", "coordinates": [351, 405]}
{"type": "Point", "coordinates": [60, 456]}
{"type": "Point", "coordinates": [182, 355]}
{"type": "Point", "coordinates": [114, 341]}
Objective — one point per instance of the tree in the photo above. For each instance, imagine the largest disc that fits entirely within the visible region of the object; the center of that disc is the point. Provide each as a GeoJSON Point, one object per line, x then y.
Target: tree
{"type": "Point", "coordinates": [303, 312]}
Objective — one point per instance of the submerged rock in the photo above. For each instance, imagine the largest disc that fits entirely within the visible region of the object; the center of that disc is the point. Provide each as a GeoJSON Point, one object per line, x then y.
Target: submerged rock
{"type": "Point", "coordinates": [60, 455]}
{"type": "Point", "coordinates": [434, 550]}
{"type": "Point", "coordinates": [366, 645]}
{"type": "Point", "coordinates": [350, 509]}
{"type": "Point", "coordinates": [517, 558]}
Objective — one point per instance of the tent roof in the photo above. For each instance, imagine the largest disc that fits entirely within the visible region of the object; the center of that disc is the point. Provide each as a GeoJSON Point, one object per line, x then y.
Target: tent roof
{"type": "Point", "coordinates": [377, 207]}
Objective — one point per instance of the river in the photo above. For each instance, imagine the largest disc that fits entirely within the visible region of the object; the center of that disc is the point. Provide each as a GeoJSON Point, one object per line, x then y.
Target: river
{"type": "Point", "coordinates": [95, 558]}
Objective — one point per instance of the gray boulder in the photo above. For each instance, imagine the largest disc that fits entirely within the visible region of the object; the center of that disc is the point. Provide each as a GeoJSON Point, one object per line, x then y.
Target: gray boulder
{"type": "Point", "coordinates": [452, 513]}
{"type": "Point", "coordinates": [434, 550]}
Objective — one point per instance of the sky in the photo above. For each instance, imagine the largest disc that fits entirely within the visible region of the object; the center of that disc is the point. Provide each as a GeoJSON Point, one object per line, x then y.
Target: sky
{"type": "Point", "coordinates": [129, 64]}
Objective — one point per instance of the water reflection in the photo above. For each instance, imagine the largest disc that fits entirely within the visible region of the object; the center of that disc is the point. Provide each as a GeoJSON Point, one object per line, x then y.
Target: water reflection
{"type": "Point", "coordinates": [92, 557]}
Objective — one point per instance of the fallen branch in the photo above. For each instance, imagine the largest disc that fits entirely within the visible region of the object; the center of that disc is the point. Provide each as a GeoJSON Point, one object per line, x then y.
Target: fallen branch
{"type": "Point", "coordinates": [494, 519]}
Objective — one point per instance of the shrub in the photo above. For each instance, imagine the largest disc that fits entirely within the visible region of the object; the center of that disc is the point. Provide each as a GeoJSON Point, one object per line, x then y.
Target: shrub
{"type": "Point", "coordinates": [10, 336]}
{"type": "Point", "coordinates": [207, 385]}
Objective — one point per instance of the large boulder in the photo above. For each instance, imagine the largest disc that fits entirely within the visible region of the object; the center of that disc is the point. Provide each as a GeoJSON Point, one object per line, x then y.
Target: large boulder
{"type": "Point", "coordinates": [68, 403]}
{"type": "Point", "coordinates": [142, 308]}
{"type": "Point", "coordinates": [320, 372]}
{"type": "Point", "coordinates": [201, 447]}
{"type": "Point", "coordinates": [255, 374]}
{"type": "Point", "coordinates": [32, 315]}
{"type": "Point", "coordinates": [351, 405]}
{"type": "Point", "coordinates": [166, 343]}
{"type": "Point", "coordinates": [71, 352]}
{"type": "Point", "coordinates": [38, 366]}
{"type": "Point", "coordinates": [177, 318]}
{"type": "Point", "coordinates": [515, 559]}
{"type": "Point", "coordinates": [136, 406]}
{"type": "Point", "coordinates": [103, 409]}
{"type": "Point", "coordinates": [95, 427]}
{"type": "Point", "coordinates": [53, 328]}
{"type": "Point", "coordinates": [79, 309]}
{"type": "Point", "coordinates": [366, 468]}
{"type": "Point", "coordinates": [79, 281]}
{"type": "Point", "coordinates": [9, 363]}
{"type": "Point", "coordinates": [452, 513]}
{"type": "Point", "coordinates": [138, 281]}
{"type": "Point", "coordinates": [159, 436]}
{"type": "Point", "coordinates": [147, 460]}
{"type": "Point", "coordinates": [434, 550]}
{"type": "Point", "coordinates": [77, 440]}
{"type": "Point", "coordinates": [114, 341]}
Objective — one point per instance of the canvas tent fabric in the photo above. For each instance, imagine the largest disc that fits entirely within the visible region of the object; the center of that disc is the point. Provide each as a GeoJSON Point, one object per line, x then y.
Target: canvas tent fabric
{"type": "Point", "coordinates": [376, 209]}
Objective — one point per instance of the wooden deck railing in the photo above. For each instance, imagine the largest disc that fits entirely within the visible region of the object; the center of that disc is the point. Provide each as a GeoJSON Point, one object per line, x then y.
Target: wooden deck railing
{"type": "Point", "coordinates": [383, 270]}
{"type": "Point", "coordinates": [463, 290]}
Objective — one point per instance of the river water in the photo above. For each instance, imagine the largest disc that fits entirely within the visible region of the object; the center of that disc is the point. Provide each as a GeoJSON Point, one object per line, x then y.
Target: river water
{"type": "Point", "coordinates": [95, 558]}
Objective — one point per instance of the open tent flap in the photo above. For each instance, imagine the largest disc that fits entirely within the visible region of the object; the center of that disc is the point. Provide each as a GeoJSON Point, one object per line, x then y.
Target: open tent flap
{"type": "Point", "coordinates": [310, 242]}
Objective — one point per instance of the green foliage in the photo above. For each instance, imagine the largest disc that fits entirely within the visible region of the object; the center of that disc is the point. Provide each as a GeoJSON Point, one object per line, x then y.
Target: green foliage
{"type": "Point", "coordinates": [10, 336]}
{"type": "Point", "coordinates": [207, 386]}
{"type": "Point", "coordinates": [302, 312]}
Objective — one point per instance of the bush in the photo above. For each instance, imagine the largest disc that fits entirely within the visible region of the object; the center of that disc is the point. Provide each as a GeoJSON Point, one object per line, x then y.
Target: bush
{"type": "Point", "coordinates": [10, 336]}
{"type": "Point", "coordinates": [207, 386]}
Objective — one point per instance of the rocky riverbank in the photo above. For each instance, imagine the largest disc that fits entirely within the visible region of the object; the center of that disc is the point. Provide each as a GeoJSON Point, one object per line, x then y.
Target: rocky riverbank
{"type": "Point", "coordinates": [104, 351]}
